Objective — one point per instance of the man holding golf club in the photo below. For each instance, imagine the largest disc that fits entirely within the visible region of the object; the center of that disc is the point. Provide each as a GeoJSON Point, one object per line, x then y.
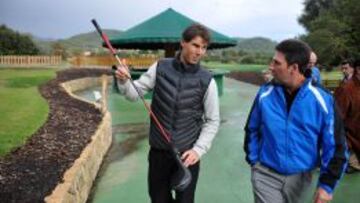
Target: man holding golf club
{"type": "Point", "coordinates": [185, 102]}
{"type": "Point", "coordinates": [293, 127]}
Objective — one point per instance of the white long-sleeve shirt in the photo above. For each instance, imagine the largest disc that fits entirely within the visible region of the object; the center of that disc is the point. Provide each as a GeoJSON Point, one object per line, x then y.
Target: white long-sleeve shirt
{"type": "Point", "coordinates": [211, 106]}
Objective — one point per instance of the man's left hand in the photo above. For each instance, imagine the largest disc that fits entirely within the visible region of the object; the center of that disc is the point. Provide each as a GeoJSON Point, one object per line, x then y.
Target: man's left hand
{"type": "Point", "coordinates": [190, 157]}
{"type": "Point", "coordinates": [321, 196]}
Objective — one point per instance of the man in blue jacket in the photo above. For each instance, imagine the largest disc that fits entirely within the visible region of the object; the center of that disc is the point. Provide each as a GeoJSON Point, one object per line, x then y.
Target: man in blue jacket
{"type": "Point", "coordinates": [292, 127]}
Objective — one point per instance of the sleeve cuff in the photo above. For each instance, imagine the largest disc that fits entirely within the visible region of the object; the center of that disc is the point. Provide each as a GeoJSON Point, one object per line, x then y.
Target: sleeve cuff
{"type": "Point", "coordinates": [199, 151]}
{"type": "Point", "coordinates": [253, 163]}
{"type": "Point", "coordinates": [328, 189]}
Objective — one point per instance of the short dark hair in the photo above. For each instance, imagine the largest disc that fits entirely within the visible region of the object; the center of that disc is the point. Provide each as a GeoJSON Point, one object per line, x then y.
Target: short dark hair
{"type": "Point", "coordinates": [295, 51]}
{"type": "Point", "coordinates": [348, 61]}
{"type": "Point", "coordinates": [195, 30]}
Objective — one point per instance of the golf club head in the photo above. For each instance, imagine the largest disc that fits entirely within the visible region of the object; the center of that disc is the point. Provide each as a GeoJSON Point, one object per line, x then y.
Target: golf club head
{"type": "Point", "coordinates": [182, 177]}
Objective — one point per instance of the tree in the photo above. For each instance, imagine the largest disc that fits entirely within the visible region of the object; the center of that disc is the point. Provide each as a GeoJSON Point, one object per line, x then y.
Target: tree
{"type": "Point", "coordinates": [58, 49]}
{"type": "Point", "coordinates": [312, 10]}
{"type": "Point", "coordinates": [14, 43]}
{"type": "Point", "coordinates": [333, 30]}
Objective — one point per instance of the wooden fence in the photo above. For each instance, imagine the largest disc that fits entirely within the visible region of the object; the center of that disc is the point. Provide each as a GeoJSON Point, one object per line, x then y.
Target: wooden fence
{"type": "Point", "coordinates": [106, 61]}
{"type": "Point", "coordinates": [30, 60]}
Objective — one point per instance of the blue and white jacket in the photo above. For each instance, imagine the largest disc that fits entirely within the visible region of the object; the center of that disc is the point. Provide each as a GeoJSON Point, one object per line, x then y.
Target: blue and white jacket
{"type": "Point", "coordinates": [293, 142]}
{"type": "Point", "coordinates": [315, 74]}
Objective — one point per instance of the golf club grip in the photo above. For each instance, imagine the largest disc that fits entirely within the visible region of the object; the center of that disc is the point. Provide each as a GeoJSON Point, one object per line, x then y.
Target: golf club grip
{"type": "Point", "coordinates": [104, 37]}
{"type": "Point", "coordinates": [97, 26]}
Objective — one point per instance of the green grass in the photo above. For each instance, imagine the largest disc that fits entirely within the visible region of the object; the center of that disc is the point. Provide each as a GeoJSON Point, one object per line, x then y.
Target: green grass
{"type": "Point", "coordinates": [22, 108]}
{"type": "Point", "coordinates": [235, 66]}
{"type": "Point", "coordinates": [333, 75]}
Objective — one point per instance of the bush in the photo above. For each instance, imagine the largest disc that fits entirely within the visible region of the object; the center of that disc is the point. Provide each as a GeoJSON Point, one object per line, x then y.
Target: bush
{"type": "Point", "coordinates": [248, 59]}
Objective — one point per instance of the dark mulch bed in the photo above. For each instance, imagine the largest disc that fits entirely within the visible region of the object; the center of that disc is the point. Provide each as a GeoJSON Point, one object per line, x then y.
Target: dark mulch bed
{"type": "Point", "coordinates": [249, 77]}
{"type": "Point", "coordinates": [30, 172]}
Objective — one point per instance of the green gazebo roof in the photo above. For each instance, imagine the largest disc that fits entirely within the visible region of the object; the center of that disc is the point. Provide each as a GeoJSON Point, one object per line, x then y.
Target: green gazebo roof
{"type": "Point", "coordinates": [162, 31]}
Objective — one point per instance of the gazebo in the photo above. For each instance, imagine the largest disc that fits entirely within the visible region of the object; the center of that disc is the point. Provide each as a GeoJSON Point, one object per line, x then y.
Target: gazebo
{"type": "Point", "coordinates": [163, 31]}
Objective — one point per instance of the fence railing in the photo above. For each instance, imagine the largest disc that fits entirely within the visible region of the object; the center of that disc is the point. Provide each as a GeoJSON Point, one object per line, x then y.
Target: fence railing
{"type": "Point", "coordinates": [30, 60]}
{"type": "Point", "coordinates": [106, 61]}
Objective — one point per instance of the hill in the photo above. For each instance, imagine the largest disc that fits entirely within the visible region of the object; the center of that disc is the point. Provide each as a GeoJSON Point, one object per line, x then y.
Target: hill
{"type": "Point", "coordinates": [87, 41]}
{"type": "Point", "coordinates": [255, 45]}
{"type": "Point", "coordinates": [90, 41]}
{"type": "Point", "coordinates": [256, 50]}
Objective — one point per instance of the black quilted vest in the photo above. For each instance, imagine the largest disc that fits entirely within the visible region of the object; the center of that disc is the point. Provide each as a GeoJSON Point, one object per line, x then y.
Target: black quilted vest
{"type": "Point", "coordinates": [178, 103]}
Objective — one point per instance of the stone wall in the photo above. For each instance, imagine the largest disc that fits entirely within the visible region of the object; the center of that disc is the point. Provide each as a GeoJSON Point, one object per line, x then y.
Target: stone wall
{"type": "Point", "coordinates": [78, 179]}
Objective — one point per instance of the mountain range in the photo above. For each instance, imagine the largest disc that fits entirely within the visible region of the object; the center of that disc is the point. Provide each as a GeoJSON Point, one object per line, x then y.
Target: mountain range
{"type": "Point", "coordinates": [91, 42]}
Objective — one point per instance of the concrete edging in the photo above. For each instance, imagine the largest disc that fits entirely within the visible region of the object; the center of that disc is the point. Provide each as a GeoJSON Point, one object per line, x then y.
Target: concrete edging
{"type": "Point", "coordinates": [78, 179]}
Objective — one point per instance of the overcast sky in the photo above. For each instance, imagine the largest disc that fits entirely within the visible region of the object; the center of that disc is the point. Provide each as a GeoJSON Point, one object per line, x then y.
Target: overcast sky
{"type": "Point", "coordinates": [275, 19]}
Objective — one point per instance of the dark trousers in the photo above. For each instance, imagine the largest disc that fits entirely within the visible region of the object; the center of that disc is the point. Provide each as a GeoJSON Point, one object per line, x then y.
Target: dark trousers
{"type": "Point", "coordinates": [161, 167]}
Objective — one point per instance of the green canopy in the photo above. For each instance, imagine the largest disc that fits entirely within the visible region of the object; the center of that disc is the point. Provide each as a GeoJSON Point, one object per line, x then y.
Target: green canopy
{"type": "Point", "coordinates": [163, 31]}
